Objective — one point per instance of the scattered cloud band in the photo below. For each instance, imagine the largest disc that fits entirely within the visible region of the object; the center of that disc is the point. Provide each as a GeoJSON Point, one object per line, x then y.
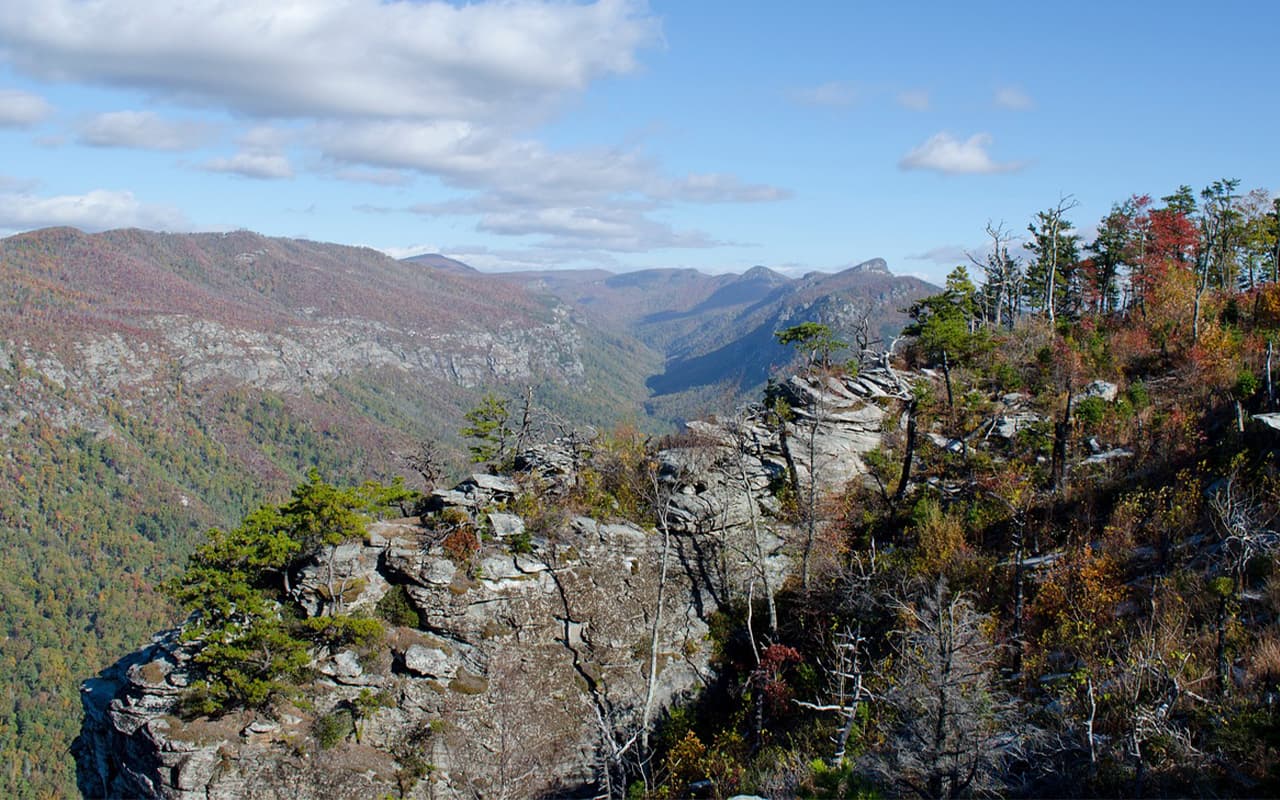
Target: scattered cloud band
{"type": "Point", "coordinates": [19, 109]}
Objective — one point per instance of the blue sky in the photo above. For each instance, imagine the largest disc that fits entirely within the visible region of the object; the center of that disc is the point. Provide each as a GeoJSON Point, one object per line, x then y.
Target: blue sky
{"type": "Point", "coordinates": [709, 134]}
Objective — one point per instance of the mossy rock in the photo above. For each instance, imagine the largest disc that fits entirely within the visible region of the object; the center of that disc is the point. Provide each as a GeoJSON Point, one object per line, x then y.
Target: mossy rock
{"type": "Point", "coordinates": [461, 584]}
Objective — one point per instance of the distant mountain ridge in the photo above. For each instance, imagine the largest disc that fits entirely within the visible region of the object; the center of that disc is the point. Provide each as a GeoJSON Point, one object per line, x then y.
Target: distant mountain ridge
{"type": "Point", "coordinates": [716, 332]}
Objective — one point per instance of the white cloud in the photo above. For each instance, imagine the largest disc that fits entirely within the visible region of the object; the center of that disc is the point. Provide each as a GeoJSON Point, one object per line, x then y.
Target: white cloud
{"type": "Point", "coordinates": [611, 229]}
{"type": "Point", "coordinates": [1013, 98]}
{"type": "Point", "coordinates": [914, 99]}
{"type": "Point", "coordinates": [488, 259]}
{"type": "Point", "coordinates": [100, 209]}
{"type": "Point", "coordinates": [833, 94]}
{"type": "Point", "coordinates": [410, 251]}
{"type": "Point", "coordinates": [252, 165]}
{"type": "Point", "coordinates": [268, 138]}
{"type": "Point", "coordinates": [719, 188]}
{"type": "Point", "coordinates": [19, 109]}
{"type": "Point", "coordinates": [332, 57]}
{"type": "Point", "coordinates": [144, 130]}
{"type": "Point", "coordinates": [13, 185]}
{"type": "Point", "coordinates": [948, 254]}
{"type": "Point", "coordinates": [942, 152]}
{"type": "Point", "coordinates": [470, 156]}
{"type": "Point", "coordinates": [598, 198]}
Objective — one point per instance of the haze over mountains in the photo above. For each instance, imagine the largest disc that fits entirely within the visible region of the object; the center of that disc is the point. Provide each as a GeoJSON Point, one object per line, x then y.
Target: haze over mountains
{"type": "Point", "coordinates": [153, 385]}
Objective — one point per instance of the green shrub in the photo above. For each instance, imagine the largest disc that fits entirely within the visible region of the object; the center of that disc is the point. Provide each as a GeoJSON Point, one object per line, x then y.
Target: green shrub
{"type": "Point", "coordinates": [521, 543]}
{"type": "Point", "coordinates": [1006, 378]}
{"type": "Point", "coordinates": [840, 782]}
{"type": "Point", "coordinates": [342, 631]}
{"type": "Point", "coordinates": [331, 729]}
{"type": "Point", "coordinates": [1246, 384]}
{"type": "Point", "coordinates": [1091, 411]}
{"type": "Point", "coordinates": [397, 609]}
{"type": "Point", "coordinates": [1138, 395]}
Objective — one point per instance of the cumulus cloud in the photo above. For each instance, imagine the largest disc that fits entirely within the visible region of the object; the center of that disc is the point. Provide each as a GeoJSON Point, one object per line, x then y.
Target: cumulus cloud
{"type": "Point", "coordinates": [944, 153]}
{"type": "Point", "coordinates": [833, 94]}
{"type": "Point", "coordinates": [470, 156]}
{"type": "Point", "coordinates": [19, 109]}
{"type": "Point", "coordinates": [1013, 98]}
{"type": "Point", "coordinates": [331, 57]}
{"type": "Point", "coordinates": [268, 138]}
{"type": "Point", "coordinates": [465, 155]}
{"type": "Point", "coordinates": [597, 198]}
{"type": "Point", "coordinates": [143, 130]}
{"type": "Point", "coordinates": [252, 165]}
{"type": "Point", "coordinates": [97, 210]}
{"type": "Point", "coordinates": [914, 99]}
{"type": "Point", "coordinates": [606, 226]}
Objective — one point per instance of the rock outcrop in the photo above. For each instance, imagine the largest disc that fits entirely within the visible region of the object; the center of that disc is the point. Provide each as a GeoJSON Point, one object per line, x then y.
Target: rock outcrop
{"type": "Point", "coordinates": [523, 667]}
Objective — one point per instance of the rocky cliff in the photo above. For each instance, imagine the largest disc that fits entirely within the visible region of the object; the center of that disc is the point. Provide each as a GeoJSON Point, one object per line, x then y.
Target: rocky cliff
{"type": "Point", "coordinates": [521, 669]}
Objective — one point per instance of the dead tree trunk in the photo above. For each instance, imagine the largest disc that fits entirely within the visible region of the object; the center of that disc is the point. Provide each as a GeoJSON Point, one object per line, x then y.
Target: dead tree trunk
{"type": "Point", "coordinates": [901, 491]}
{"type": "Point", "coordinates": [1061, 436]}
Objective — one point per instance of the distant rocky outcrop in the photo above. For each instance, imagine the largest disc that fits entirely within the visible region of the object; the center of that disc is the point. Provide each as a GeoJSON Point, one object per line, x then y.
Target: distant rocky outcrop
{"type": "Point", "coordinates": [878, 265]}
{"type": "Point", "coordinates": [524, 667]}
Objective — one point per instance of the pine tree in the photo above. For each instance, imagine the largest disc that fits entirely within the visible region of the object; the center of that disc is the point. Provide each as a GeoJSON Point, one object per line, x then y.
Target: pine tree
{"type": "Point", "coordinates": [490, 427]}
{"type": "Point", "coordinates": [1053, 280]}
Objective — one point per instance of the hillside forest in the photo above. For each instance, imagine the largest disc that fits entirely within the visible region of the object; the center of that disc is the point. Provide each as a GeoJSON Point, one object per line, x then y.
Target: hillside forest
{"type": "Point", "coordinates": [1059, 577]}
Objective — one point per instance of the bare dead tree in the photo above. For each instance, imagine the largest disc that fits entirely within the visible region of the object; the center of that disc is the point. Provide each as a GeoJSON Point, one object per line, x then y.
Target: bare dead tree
{"type": "Point", "coordinates": [1151, 685]}
{"type": "Point", "coordinates": [1003, 279]}
{"type": "Point", "coordinates": [661, 503]}
{"type": "Point", "coordinates": [808, 419]}
{"type": "Point", "coordinates": [908, 452]}
{"type": "Point", "coordinates": [864, 343]}
{"type": "Point", "coordinates": [1055, 224]}
{"type": "Point", "coordinates": [847, 690]}
{"type": "Point", "coordinates": [427, 462]}
{"type": "Point", "coordinates": [1243, 522]}
{"type": "Point", "coordinates": [1061, 442]}
{"type": "Point", "coordinates": [525, 428]}
{"type": "Point", "coordinates": [953, 728]}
